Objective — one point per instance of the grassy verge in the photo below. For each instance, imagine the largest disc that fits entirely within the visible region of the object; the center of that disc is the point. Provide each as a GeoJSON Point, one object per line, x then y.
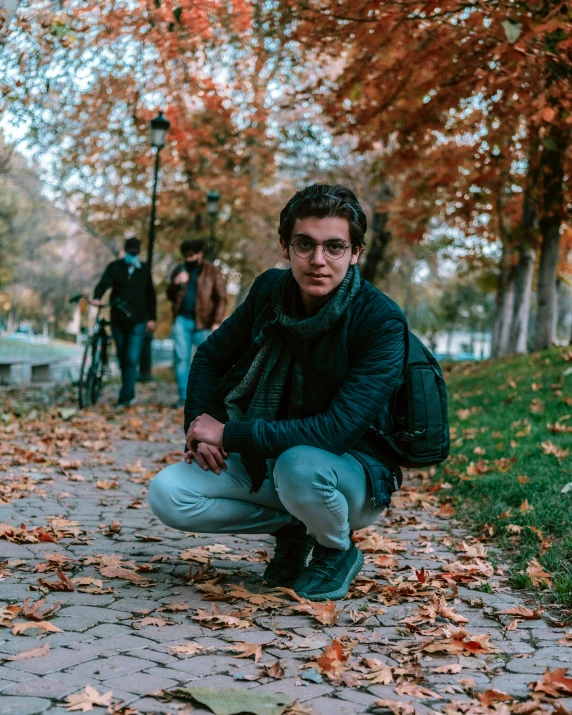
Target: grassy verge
{"type": "Point", "coordinates": [505, 416]}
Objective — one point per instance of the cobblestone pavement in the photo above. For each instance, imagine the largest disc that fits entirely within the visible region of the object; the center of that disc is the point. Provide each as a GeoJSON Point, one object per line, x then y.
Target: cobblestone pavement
{"type": "Point", "coordinates": [140, 590]}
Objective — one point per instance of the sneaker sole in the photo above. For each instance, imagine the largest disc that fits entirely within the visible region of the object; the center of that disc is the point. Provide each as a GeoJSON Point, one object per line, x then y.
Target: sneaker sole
{"type": "Point", "coordinates": [340, 592]}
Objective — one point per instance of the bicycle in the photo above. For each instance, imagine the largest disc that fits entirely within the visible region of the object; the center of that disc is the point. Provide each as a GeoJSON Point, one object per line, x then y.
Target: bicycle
{"type": "Point", "coordinates": [94, 364]}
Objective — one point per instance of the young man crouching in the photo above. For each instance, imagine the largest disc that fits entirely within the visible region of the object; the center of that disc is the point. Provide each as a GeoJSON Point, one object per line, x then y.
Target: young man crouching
{"type": "Point", "coordinates": [280, 402]}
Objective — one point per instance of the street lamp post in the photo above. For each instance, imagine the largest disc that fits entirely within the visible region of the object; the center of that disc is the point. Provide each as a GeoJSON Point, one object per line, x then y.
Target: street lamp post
{"type": "Point", "coordinates": [159, 127]}
{"type": "Point", "coordinates": [212, 210]}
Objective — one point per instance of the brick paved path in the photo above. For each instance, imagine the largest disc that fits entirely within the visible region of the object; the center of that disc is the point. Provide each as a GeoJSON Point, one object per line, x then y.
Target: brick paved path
{"type": "Point", "coordinates": [103, 641]}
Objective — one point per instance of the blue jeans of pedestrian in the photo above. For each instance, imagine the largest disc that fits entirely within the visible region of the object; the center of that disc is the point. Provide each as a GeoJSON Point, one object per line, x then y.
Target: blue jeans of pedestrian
{"type": "Point", "coordinates": [185, 338]}
{"type": "Point", "coordinates": [128, 344]}
{"type": "Point", "coordinates": [329, 494]}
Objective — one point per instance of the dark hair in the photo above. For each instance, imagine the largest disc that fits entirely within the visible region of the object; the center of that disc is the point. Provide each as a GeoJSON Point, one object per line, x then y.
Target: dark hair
{"type": "Point", "coordinates": [324, 201]}
{"type": "Point", "coordinates": [192, 245]}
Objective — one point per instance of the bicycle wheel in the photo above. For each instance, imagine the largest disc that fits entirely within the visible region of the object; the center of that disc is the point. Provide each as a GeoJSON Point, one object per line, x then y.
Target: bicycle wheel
{"type": "Point", "coordinates": [89, 370]}
{"type": "Point", "coordinates": [99, 367]}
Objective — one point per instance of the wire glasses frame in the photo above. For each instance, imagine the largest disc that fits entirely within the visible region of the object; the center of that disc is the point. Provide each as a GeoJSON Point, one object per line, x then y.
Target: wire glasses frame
{"type": "Point", "coordinates": [305, 248]}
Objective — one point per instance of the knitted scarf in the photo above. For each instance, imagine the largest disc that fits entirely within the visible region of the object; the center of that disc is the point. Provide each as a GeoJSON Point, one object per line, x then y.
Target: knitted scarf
{"type": "Point", "coordinates": [259, 393]}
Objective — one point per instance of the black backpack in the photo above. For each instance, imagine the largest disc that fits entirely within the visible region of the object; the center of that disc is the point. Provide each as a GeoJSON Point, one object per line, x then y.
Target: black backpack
{"type": "Point", "coordinates": [419, 411]}
{"type": "Point", "coordinates": [418, 406]}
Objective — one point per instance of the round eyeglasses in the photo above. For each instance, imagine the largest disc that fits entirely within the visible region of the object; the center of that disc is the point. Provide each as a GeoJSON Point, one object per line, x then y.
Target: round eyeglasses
{"type": "Point", "coordinates": [304, 248]}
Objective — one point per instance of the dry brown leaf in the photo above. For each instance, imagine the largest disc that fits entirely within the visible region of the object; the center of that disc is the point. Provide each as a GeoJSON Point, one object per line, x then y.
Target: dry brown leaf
{"type": "Point", "coordinates": [246, 650]}
{"type": "Point", "coordinates": [416, 691]}
{"type": "Point", "coordinates": [325, 612]}
{"type": "Point", "coordinates": [85, 700]}
{"type": "Point", "coordinates": [34, 611]}
{"type": "Point", "coordinates": [538, 575]}
{"type": "Point", "coordinates": [106, 484]}
{"type": "Point", "coordinates": [218, 619]}
{"type": "Point", "coordinates": [190, 648]}
{"type": "Point", "coordinates": [567, 640]}
{"type": "Point", "coordinates": [63, 583]}
{"type": "Point", "coordinates": [275, 671]}
{"type": "Point", "coordinates": [125, 574]}
{"type": "Point", "coordinates": [452, 668]}
{"type": "Point", "coordinates": [18, 628]}
{"type": "Point", "coordinates": [152, 621]}
{"type": "Point", "coordinates": [490, 696]}
{"type": "Point", "coordinates": [380, 673]}
{"type": "Point", "coordinates": [397, 707]}
{"type": "Point", "coordinates": [32, 653]}
{"type": "Point", "coordinates": [550, 448]}
{"type": "Point", "coordinates": [523, 612]}
{"type": "Point", "coordinates": [554, 682]}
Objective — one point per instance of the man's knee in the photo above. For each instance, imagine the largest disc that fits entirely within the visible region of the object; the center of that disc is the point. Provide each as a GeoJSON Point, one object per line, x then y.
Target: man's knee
{"type": "Point", "coordinates": [300, 468]}
{"type": "Point", "coordinates": [166, 500]}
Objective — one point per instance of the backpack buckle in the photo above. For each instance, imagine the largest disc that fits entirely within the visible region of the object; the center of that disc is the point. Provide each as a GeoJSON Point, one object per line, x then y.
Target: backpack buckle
{"type": "Point", "coordinates": [408, 437]}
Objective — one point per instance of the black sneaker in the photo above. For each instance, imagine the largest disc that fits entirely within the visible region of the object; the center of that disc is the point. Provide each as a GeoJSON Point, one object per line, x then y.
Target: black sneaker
{"type": "Point", "coordinates": [292, 548]}
{"type": "Point", "coordinates": [330, 574]}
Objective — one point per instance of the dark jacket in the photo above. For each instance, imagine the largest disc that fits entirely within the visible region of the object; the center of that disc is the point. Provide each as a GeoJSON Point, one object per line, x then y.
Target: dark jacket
{"type": "Point", "coordinates": [211, 295]}
{"type": "Point", "coordinates": [133, 294]}
{"type": "Point", "coordinates": [361, 359]}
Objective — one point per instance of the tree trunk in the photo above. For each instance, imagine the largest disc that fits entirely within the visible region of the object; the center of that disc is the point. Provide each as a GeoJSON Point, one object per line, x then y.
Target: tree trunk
{"type": "Point", "coordinates": [375, 254]}
{"type": "Point", "coordinates": [505, 303]}
{"type": "Point", "coordinates": [551, 211]}
{"type": "Point", "coordinates": [523, 295]}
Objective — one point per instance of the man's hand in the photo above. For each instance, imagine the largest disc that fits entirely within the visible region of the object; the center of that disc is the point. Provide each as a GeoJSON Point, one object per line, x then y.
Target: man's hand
{"type": "Point", "coordinates": [151, 325]}
{"type": "Point", "coordinates": [208, 457]}
{"type": "Point", "coordinates": [96, 302]}
{"type": "Point", "coordinates": [205, 429]}
{"type": "Point", "coordinates": [215, 326]}
{"type": "Point", "coordinates": [182, 277]}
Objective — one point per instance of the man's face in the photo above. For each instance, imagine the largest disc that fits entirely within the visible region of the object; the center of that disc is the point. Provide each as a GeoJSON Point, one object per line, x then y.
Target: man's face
{"type": "Point", "coordinates": [191, 257]}
{"type": "Point", "coordinates": [318, 274]}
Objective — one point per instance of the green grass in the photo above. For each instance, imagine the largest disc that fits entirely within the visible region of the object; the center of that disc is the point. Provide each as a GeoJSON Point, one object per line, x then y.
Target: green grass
{"type": "Point", "coordinates": [503, 407]}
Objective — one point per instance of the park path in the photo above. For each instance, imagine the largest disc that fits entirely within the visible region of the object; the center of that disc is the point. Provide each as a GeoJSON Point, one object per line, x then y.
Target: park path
{"type": "Point", "coordinates": [421, 631]}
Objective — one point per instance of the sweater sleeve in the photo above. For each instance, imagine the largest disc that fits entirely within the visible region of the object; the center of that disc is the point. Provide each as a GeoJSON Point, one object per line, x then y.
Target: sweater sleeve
{"type": "Point", "coordinates": [375, 374]}
{"type": "Point", "coordinates": [215, 357]}
{"type": "Point", "coordinates": [105, 282]}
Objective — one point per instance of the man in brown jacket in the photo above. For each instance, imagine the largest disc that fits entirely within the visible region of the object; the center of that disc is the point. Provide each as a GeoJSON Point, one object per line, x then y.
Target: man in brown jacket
{"type": "Point", "coordinates": [197, 292]}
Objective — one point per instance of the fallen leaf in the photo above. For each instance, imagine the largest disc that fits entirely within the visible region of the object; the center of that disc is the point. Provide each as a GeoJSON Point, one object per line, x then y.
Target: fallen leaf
{"type": "Point", "coordinates": [32, 653]}
{"type": "Point", "coordinates": [18, 628]}
{"type": "Point", "coordinates": [538, 575]}
{"type": "Point", "coordinates": [452, 668]}
{"type": "Point", "coordinates": [523, 612]}
{"type": "Point", "coordinates": [190, 648]}
{"type": "Point", "coordinates": [125, 574]}
{"type": "Point", "coordinates": [397, 707]}
{"type": "Point", "coordinates": [34, 611]}
{"type": "Point", "coordinates": [417, 691]}
{"type": "Point", "coordinates": [554, 682]}
{"type": "Point", "coordinates": [62, 584]}
{"type": "Point", "coordinates": [85, 700]}
{"type": "Point", "coordinates": [246, 650]}
{"type": "Point", "coordinates": [567, 640]}
{"type": "Point", "coordinates": [490, 696]}
{"type": "Point", "coordinates": [106, 484]}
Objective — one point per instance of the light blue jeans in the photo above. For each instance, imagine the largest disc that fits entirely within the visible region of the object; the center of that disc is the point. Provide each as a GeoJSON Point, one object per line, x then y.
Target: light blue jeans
{"type": "Point", "coordinates": [327, 493]}
{"type": "Point", "coordinates": [185, 338]}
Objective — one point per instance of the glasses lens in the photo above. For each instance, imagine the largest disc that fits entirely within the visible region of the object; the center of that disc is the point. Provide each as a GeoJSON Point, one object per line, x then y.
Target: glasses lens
{"type": "Point", "coordinates": [334, 249]}
{"type": "Point", "coordinates": [303, 248]}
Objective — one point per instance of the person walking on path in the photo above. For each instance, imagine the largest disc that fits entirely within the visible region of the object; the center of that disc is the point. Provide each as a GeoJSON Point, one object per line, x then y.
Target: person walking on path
{"type": "Point", "coordinates": [280, 402]}
{"type": "Point", "coordinates": [197, 292]}
{"type": "Point", "coordinates": [133, 312]}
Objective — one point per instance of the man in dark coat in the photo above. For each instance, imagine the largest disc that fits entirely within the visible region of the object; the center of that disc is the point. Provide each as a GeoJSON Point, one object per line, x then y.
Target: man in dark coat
{"type": "Point", "coordinates": [281, 404]}
{"type": "Point", "coordinates": [197, 292]}
{"type": "Point", "coordinates": [133, 312]}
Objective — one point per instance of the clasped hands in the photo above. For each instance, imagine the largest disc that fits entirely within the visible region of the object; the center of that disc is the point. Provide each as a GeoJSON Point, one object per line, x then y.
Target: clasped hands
{"type": "Point", "coordinates": [204, 444]}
